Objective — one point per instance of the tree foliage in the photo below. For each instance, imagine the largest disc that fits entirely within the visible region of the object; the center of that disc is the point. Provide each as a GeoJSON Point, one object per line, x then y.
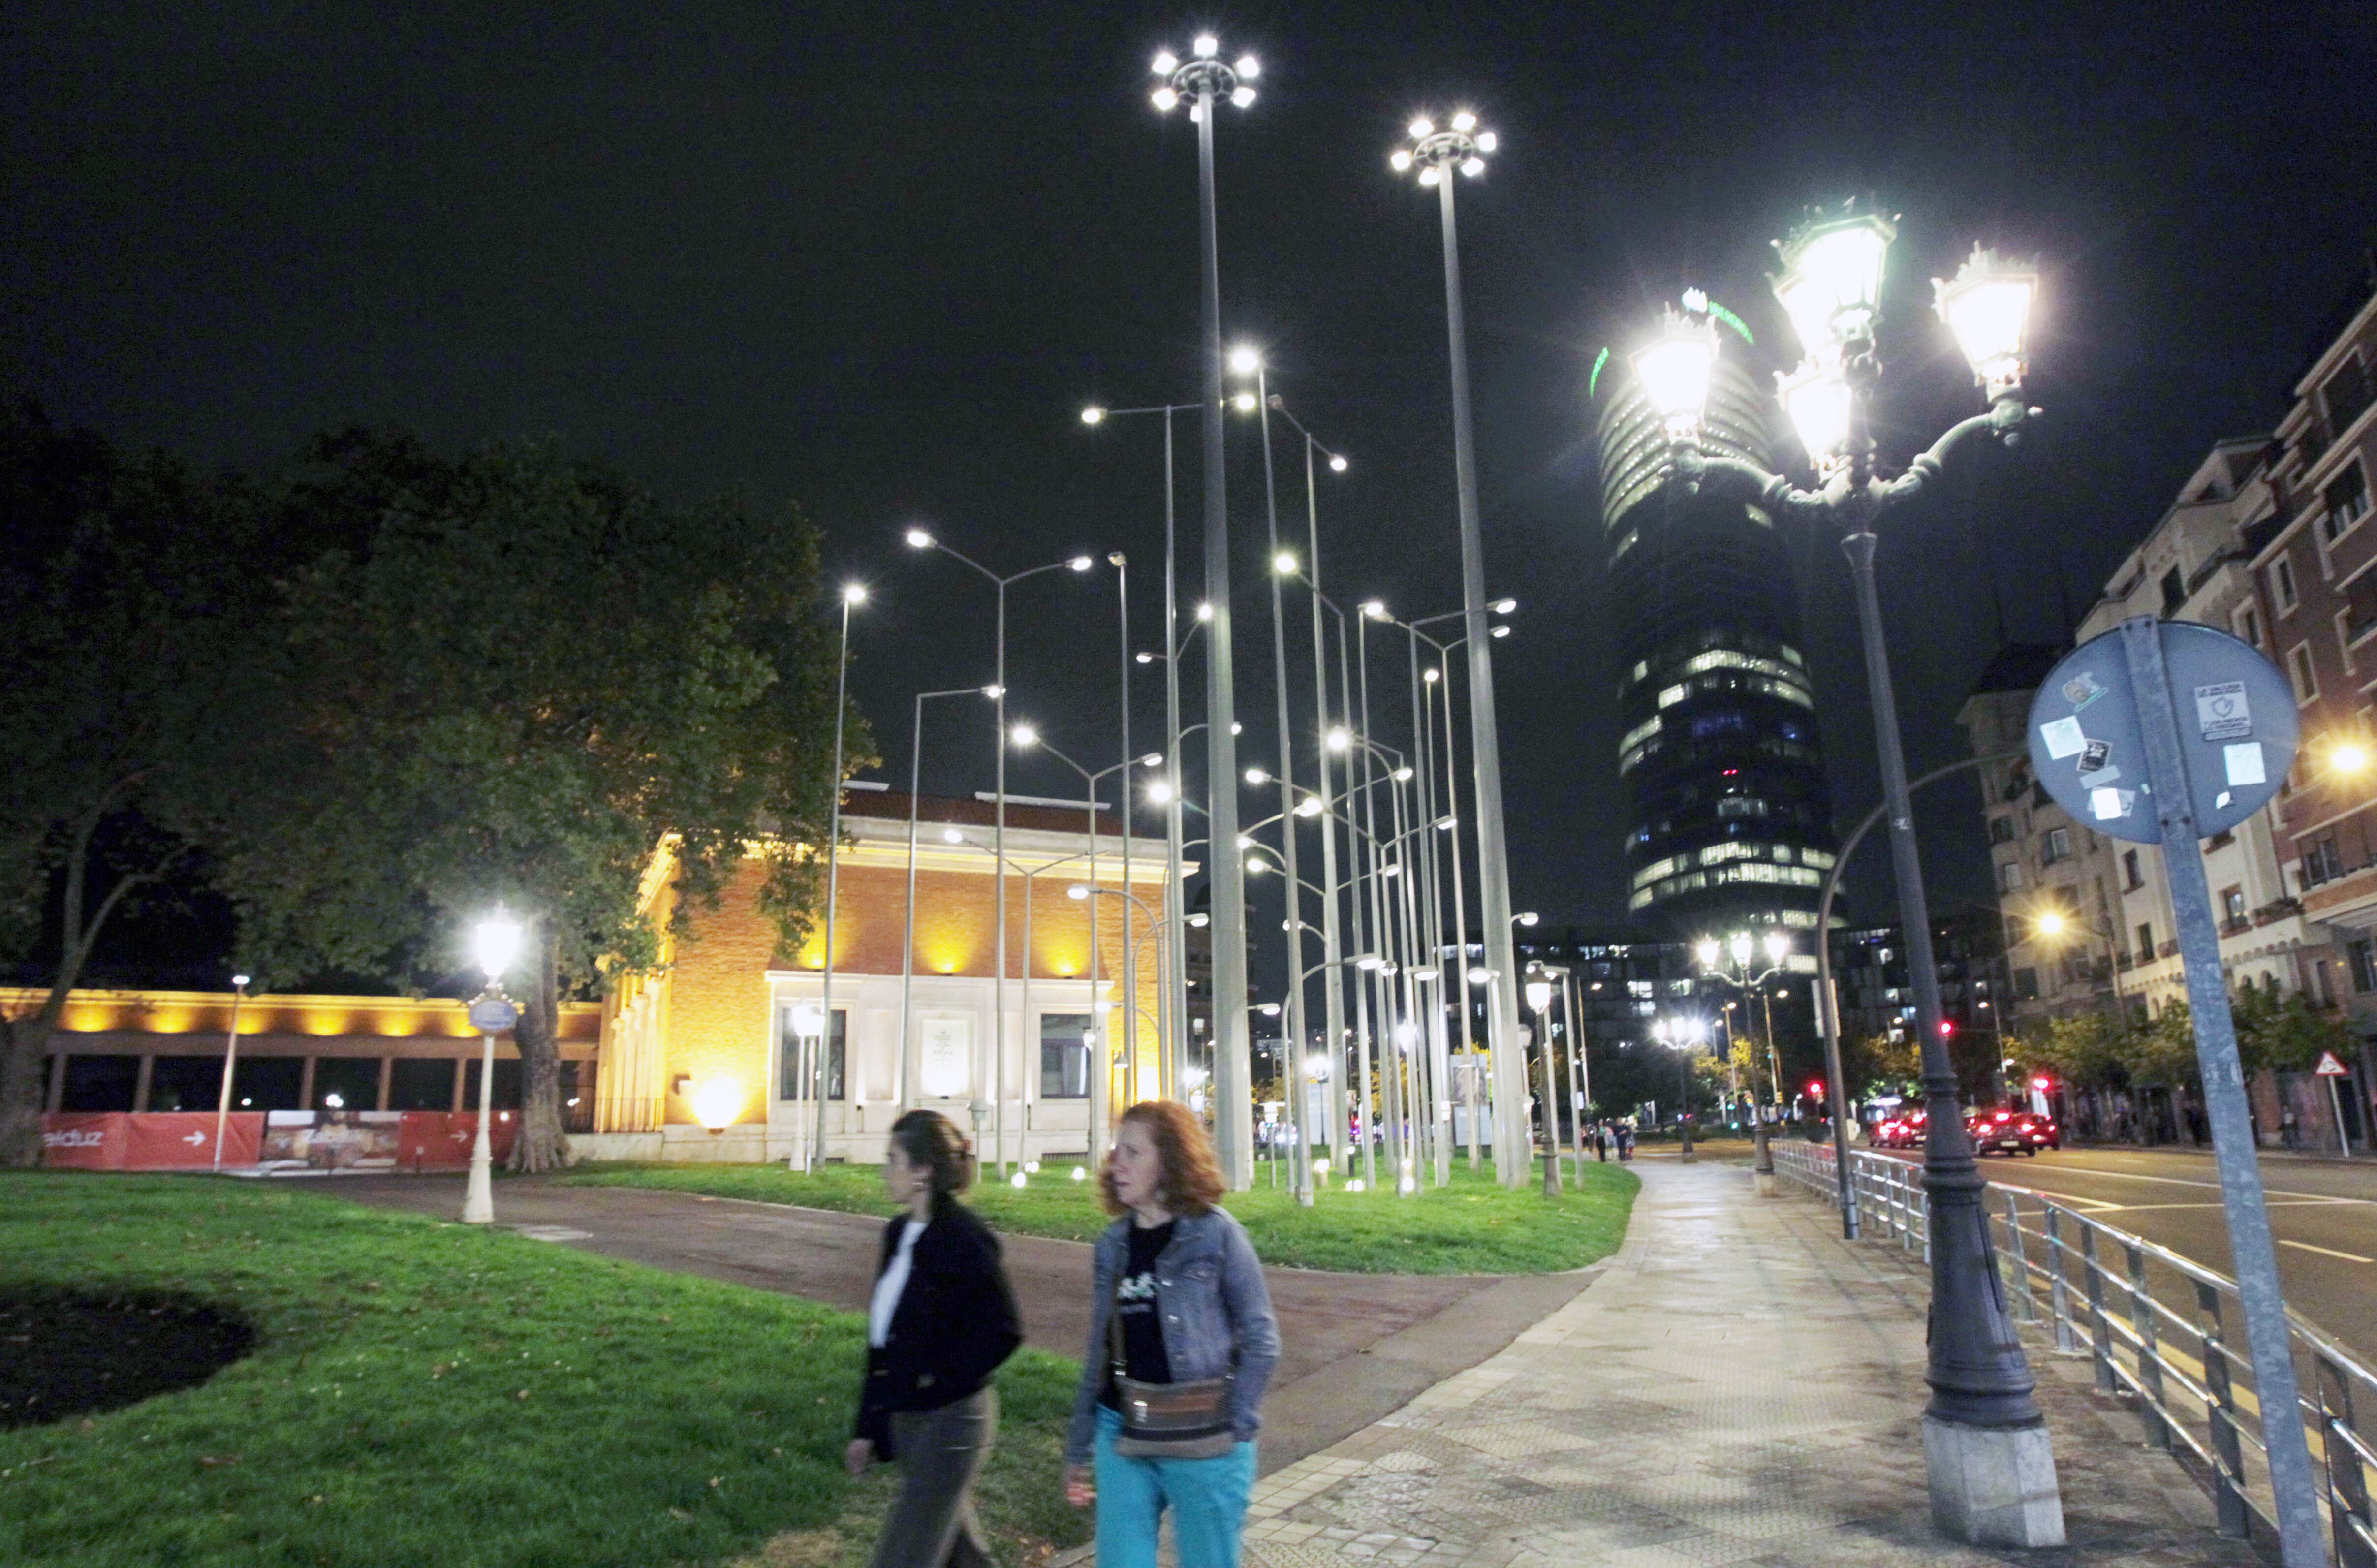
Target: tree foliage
{"type": "Point", "coordinates": [2099, 1050]}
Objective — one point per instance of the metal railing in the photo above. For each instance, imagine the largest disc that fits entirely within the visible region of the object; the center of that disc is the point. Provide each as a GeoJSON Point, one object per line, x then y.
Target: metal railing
{"type": "Point", "coordinates": [2158, 1327]}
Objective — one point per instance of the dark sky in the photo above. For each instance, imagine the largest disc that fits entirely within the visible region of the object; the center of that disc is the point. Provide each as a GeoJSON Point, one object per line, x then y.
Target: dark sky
{"type": "Point", "coordinates": [877, 258]}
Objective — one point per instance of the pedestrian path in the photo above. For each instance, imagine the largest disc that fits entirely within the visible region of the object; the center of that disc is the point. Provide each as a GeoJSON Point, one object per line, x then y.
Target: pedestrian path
{"type": "Point", "coordinates": [1739, 1386]}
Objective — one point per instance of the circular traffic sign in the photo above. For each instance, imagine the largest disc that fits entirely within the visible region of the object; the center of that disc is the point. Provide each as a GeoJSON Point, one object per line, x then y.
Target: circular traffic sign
{"type": "Point", "coordinates": [2238, 732]}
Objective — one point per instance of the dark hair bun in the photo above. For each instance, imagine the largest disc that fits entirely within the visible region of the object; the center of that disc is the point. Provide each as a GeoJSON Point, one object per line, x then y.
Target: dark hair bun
{"type": "Point", "coordinates": [932, 1141]}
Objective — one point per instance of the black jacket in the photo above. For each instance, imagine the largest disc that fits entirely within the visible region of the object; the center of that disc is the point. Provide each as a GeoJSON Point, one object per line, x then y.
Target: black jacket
{"type": "Point", "coordinates": [955, 1325]}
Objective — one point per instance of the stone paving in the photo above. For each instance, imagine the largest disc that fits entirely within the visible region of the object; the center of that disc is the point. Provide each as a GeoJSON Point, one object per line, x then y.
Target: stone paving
{"type": "Point", "coordinates": [1739, 1387]}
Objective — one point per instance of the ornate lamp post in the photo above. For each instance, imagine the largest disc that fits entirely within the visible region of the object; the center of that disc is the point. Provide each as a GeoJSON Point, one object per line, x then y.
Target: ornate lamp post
{"type": "Point", "coordinates": [1436, 153]}
{"type": "Point", "coordinates": [495, 944]}
{"type": "Point", "coordinates": [1739, 949]}
{"type": "Point", "coordinates": [1203, 82]}
{"type": "Point", "coordinates": [1992, 1472]}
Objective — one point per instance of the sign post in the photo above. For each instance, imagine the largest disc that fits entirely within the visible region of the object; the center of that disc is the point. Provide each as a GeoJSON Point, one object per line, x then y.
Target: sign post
{"type": "Point", "coordinates": [2334, 1071]}
{"type": "Point", "coordinates": [2165, 733]}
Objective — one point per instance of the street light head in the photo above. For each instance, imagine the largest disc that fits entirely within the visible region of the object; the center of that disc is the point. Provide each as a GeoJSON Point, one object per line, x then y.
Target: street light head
{"type": "Point", "coordinates": [1503, 606]}
{"type": "Point", "coordinates": [1284, 563]}
{"type": "Point", "coordinates": [1144, 658]}
{"type": "Point", "coordinates": [1465, 122]}
{"type": "Point", "coordinates": [496, 943]}
{"type": "Point", "coordinates": [1987, 306]}
{"type": "Point", "coordinates": [994, 692]}
{"type": "Point", "coordinates": [1164, 99]}
{"type": "Point", "coordinates": [1499, 631]}
{"type": "Point", "coordinates": [853, 594]}
{"type": "Point", "coordinates": [1093, 414]}
{"type": "Point", "coordinates": [1247, 68]}
{"type": "Point", "coordinates": [1204, 612]}
{"type": "Point", "coordinates": [1268, 1009]}
{"type": "Point", "coordinates": [1402, 775]}
{"type": "Point", "coordinates": [1674, 371]}
{"type": "Point", "coordinates": [1200, 922]}
{"type": "Point", "coordinates": [1391, 868]}
{"type": "Point", "coordinates": [1375, 608]}
{"type": "Point", "coordinates": [1339, 739]}
{"type": "Point", "coordinates": [1818, 399]}
{"type": "Point", "coordinates": [1257, 775]}
{"type": "Point", "coordinates": [1245, 360]}
{"type": "Point", "coordinates": [1422, 126]}
{"type": "Point", "coordinates": [1429, 676]}
{"type": "Point", "coordinates": [1480, 974]}
{"type": "Point", "coordinates": [1165, 63]}
{"type": "Point", "coordinates": [2050, 924]}
{"type": "Point", "coordinates": [1529, 918]}
{"type": "Point", "coordinates": [1243, 96]}
{"type": "Point", "coordinates": [1024, 736]}
{"type": "Point", "coordinates": [1245, 402]}
{"type": "Point", "coordinates": [1308, 807]}
{"type": "Point", "coordinates": [919, 540]}
{"type": "Point", "coordinates": [1487, 141]}
{"type": "Point", "coordinates": [1078, 891]}
{"type": "Point", "coordinates": [1081, 563]}
{"type": "Point", "coordinates": [1117, 559]}
{"type": "Point", "coordinates": [239, 981]}
{"type": "Point", "coordinates": [1472, 167]}
{"type": "Point", "coordinates": [1151, 760]}
{"type": "Point", "coordinates": [1159, 792]}
{"type": "Point", "coordinates": [1778, 947]}
{"type": "Point", "coordinates": [1206, 46]}
{"type": "Point", "coordinates": [1706, 951]}
{"type": "Point", "coordinates": [1832, 280]}
{"type": "Point", "coordinates": [1739, 947]}
{"type": "Point", "coordinates": [2349, 758]}
{"type": "Point", "coordinates": [1367, 961]}
{"type": "Point", "coordinates": [1430, 174]}
{"type": "Point", "coordinates": [1337, 464]}
{"type": "Point", "coordinates": [1539, 995]}
{"type": "Point", "coordinates": [1399, 160]}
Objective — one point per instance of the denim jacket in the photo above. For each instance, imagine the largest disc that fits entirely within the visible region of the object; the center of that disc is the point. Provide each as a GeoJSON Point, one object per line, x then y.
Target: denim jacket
{"type": "Point", "coordinates": [1215, 1312]}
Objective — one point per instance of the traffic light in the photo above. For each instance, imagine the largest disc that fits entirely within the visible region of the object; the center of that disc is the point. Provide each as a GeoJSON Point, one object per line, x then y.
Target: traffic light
{"type": "Point", "coordinates": [1947, 1028]}
{"type": "Point", "coordinates": [1815, 1088]}
{"type": "Point", "coordinates": [2042, 1083]}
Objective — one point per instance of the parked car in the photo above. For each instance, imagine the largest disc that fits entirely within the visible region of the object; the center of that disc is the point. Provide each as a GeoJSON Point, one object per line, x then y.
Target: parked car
{"type": "Point", "coordinates": [1900, 1132]}
{"type": "Point", "coordinates": [2013, 1131]}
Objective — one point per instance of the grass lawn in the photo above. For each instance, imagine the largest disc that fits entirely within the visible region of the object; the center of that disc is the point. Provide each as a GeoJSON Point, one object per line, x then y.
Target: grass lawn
{"type": "Point", "coordinates": [423, 1395]}
{"type": "Point", "coordinates": [1470, 1226]}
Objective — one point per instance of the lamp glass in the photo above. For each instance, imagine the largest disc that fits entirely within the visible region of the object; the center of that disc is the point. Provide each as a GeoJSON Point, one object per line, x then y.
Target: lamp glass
{"type": "Point", "coordinates": [1024, 736]}
{"type": "Point", "coordinates": [1675, 371]}
{"type": "Point", "coordinates": [496, 943]}
{"type": "Point", "coordinates": [1988, 308]}
{"type": "Point", "coordinates": [1165, 99]}
{"type": "Point", "coordinates": [1818, 402]}
{"type": "Point", "coordinates": [1832, 279]}
{"type": "Point", "coordinates": [1243, 97]}
{"type": "Point", "coordinates": [1539, 994]}
{"type": "Point", "coordinates": [1778, 947]}
{"type": "Point", "coordinates": [1740, 947]}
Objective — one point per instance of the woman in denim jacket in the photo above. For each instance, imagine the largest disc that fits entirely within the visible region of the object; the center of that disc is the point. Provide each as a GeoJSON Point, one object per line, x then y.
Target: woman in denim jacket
{"type": "Point", "coordinates": [1179, 1279]}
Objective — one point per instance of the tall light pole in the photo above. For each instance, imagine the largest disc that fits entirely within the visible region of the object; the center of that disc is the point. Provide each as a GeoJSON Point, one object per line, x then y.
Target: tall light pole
{"type": "Point", "coordinates": [1173, 789]}
{"type": "Point", "coordinates": [496, 943]}
{"type": "Point", "coordinates": [908, 931]}
{"type": "Point", "coordinates": [1992, 1471]}
{"type": "Point", "coordinates": [231, 1061]}
{"type": "Point", "coordinates": [1121, 563]}
{"type": "Point", "coordinates": [1539, 997]}
{"type": "Point", "coordinates": [1203, 82]}
{"type": "Point", "coordinates": [921, 539]}
{"type": "Point", "coordinates": [813, 1151]}
{"type": "Point", "coordinates": [1436, 153]}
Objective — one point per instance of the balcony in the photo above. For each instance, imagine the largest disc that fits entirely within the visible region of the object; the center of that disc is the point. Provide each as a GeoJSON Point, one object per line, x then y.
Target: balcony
{"type": "Point", "coordinates": [2278, 909]}
{"type": "Point", "coordinates": [2236, 927]}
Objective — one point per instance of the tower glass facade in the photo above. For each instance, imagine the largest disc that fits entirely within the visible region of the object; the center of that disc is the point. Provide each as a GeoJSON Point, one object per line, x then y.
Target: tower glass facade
{"type": "Point", "coordinates": [1729, 824]}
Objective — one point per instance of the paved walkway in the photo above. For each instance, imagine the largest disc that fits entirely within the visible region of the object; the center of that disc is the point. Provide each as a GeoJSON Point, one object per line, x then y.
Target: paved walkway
{"type": "Point", "coordinates": [1354, 1347]}
{"type": "Point", "coordinates": [1739, 1386]}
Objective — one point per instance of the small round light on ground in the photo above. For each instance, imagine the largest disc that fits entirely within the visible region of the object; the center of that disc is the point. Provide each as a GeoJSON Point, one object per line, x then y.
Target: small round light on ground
{"type": "Point", "coordinates": [1016, 1181]}
{"type": "Point", "coordinates": [1355, 1185]}
{"type": "Point", "coordinates": [1080, 1173]}
{"type": "Point", "coordinates": [950, 835]}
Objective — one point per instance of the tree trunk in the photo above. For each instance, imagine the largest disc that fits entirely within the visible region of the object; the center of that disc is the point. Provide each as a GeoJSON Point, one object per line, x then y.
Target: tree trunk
{"type": "Point", "coordinates": [542, 1145]}
{"type": "Point", "coordinates": [24, 1046]}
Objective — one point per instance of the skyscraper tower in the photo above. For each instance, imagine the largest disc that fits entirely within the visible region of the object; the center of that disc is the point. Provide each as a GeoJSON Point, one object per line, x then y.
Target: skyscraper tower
{"type": "Point", "coordinates": [1730, 825]}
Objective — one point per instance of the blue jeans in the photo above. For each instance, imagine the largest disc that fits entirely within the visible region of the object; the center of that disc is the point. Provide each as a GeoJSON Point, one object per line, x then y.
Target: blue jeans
{"type": "Point", "coordinates": [1208, 1498]}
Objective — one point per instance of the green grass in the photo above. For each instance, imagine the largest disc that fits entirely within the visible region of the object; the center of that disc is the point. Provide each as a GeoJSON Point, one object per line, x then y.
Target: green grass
{"type": "Point", "coordinates": [423, 1395]}
{"type": "Point", "coordinates": [1470, 1226]}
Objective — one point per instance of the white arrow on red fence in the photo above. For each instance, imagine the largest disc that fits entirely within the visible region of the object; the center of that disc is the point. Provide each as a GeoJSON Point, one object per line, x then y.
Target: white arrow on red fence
{"type": "Point", "coordinates": [195, 1139]}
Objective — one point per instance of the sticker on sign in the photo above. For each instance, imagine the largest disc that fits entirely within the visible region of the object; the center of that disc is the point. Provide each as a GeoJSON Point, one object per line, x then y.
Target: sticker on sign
{"type": "Point", "coordinates": [2222, 711]}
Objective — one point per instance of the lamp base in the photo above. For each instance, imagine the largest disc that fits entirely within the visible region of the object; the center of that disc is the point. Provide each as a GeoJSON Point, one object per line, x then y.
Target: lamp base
{"type": "Point", "coordinates": [1994, 1486]}
{"type": "Point", "coordinates": [1765, 1183]}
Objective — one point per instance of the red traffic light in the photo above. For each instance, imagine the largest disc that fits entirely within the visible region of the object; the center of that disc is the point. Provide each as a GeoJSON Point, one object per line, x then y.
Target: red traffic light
{"type": "Point", "coordinates": [1816, 1088]}
{"type": "Point", "coordinates": [2042, 1083]}
{"type": "Point", "coordinates": [1947, 1027]}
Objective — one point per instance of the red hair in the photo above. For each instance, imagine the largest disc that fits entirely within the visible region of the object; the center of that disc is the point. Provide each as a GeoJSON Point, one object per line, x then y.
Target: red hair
{"type": "Point", "coordinates": [1191, 1178]}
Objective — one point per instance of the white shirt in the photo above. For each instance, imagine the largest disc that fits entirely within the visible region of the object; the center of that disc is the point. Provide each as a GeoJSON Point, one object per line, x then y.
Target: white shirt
{"type": "Point", "coordinates": [891, 1283]}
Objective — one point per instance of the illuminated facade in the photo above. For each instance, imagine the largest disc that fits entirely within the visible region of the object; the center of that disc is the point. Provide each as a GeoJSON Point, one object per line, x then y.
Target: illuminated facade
{"type": "Point", "coordinates": [705, 1059]}
{"type": "Point", "coordinates": [1730, 826]}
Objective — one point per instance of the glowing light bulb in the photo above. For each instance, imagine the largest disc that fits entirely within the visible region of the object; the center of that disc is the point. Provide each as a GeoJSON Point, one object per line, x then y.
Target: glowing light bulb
{"type": "Point", "coordinates": [1423, 127]}
{"type": "Point", "coordinates": [1206, 46]}
{"type": "Point", "coordinates": [1093, 414]}
{"type": "Point", "coordinates": [1164, 99]}
{"type": "Point", "coordinates": [1399, 160]}
{"type": "Point", "coordinates": [1429, 176]}
{"type": "Point", "coordinates": [1247, 68]}
{"type": "Point", "coordinates": [1487, 141]}
{"type": "Point", "coordinates": [1165, 63]}
{"type": "Point", "coordinates": [1337, 464]}
{"type": "Point", "coordinates": [1243, 97]}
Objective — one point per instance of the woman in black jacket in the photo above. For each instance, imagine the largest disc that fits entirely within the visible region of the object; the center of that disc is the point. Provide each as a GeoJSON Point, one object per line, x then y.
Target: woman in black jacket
{"type": "Point", "coordinates": [942, 1320]}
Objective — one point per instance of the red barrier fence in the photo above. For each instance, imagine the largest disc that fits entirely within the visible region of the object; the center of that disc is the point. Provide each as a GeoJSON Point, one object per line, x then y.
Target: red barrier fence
{"type": "Point", "coordinates": [270, 1141]}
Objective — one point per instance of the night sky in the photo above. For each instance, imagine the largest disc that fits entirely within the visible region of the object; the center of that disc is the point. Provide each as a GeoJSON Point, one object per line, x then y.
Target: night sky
{"type": "Point", "coordinates": [876, 259]}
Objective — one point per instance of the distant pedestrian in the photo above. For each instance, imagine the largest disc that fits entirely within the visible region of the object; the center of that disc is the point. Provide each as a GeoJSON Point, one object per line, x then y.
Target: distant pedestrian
{"type": "Point", "coordinates": [942, 1321]}
{"type": "Point", "coordinates": [1182, 1343]}
{"type": "Point", "coordinates": [1601, 1141]}
{"type": "Point", "coordinates": [2291, 1129]}
{"type": "Point", "coordinates": [1625, 1142]}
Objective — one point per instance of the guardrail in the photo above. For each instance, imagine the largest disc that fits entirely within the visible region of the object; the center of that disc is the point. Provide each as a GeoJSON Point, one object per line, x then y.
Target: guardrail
{"type": "Point", "coordinates": [2156, 1326]}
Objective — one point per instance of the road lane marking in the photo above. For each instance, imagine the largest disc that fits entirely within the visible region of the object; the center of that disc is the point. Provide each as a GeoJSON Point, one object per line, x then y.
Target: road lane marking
{"type": "Point", "coordinates": [2085, 1170]}
{"type": "Point", "coordinates": [2326, 1251]}
{"type": "Point", "coordinates": [2275, 1203]}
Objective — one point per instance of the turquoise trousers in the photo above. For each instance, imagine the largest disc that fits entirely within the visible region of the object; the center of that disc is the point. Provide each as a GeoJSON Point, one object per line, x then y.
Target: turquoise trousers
{"type": "Point", "coordinates": [1208, 1498]}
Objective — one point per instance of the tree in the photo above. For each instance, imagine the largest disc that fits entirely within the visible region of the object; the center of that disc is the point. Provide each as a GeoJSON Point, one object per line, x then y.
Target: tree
{"type": "Point", "coordinates": [1883, 1064]}
{"type": "Point", "coordinates": [141, 693]}
{"type": "Point", "coordinates": [522, 677]}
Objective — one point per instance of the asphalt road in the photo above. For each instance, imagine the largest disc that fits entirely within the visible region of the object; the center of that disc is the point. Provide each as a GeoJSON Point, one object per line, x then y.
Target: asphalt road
{"type": "Point", "coordinates": [2324, 1215]}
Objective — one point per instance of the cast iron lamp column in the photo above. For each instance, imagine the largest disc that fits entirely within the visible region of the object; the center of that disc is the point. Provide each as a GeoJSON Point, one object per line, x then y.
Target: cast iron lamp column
{"type": "Point", "coordinates": [1436, 153]}
{"type": "Point", "coordinates": [1204, 81]}
{"type": "Point", "coordinates": [920, 539]}
{"type": "Point", "coordinates": [1992, 1471]}
{"type": "Point", "coordinates": [813, 1151]}
{"type": "Point", "coordinates": [1539, 997]}
{"type": "Point", "coordinates": [1738, 948]}
{"type": "Point", "coordinates": [495, 944]}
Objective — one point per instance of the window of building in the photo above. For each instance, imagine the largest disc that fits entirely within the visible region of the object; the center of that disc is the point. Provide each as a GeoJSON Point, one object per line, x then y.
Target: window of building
{"type": "Point", "coordinates": [2131, 879]}
{"type": "Point", "coordinates": [2001, 830]}
{"type": "Point", "coordinates": [2010, 877]}
{"type": "Point", "coordinates": [504, 1094]}
{"type": "Point", "coordinates": [347, 1083]}
{"type": "Point", "coordinates": [2145, 941]}
{"type": "Point", "coordinates": [1642, 987]}
{"type": "Point", "coordinates": [2059, 847]}
{"type": "Point", "coordinates": [2359, 606]}
{"type": "Point", "coordinates": [2321, 862]}
{"type": "Point", "coordinates": [2322, 983]}
{"type": "Point", "coordinates": [2248, 625]}
{"type": "Point", "coordinates": [2364, 964]}
{"type": "Point", "coordinates": [2345, 393]}
{"type": "Point", "coordinates": [2298, 670]}
{"type": "Point", "coordinates": [2282, 584]}
{"type": "Point", "coordinates": [1064, 1055]}
{"type": "Point", "coordinates": [2232, 905]}
{"type": "Point", "coordinates": [421, 1083]}
{"type": "Point", "coordinates": [2347, 499]}
{"type": "Point", "coordinates": [2174, 591]}
{"type": "Point", "coordinates": [796, 1039]}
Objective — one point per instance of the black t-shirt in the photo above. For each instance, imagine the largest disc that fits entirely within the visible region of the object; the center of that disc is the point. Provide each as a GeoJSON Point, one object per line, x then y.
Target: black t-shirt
{"type": "Point", "coordinates": [1143, 1359]}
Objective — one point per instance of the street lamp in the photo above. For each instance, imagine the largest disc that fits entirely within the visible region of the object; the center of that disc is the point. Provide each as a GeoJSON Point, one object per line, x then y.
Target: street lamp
{"type": "Point", "coordinates": [494, 944]}
{"type": "Point", "coordinates": [1539, 997]}
{"type": "Point", "coordinates": [1741, 950]}
{"type": "Point", "coordinates": [1681, 1035]}
{"type": "Point", "coordinates": [922, 539]}
{"type": "Point", "coordinates": [813, 1143]}
{"type": "Point", "coordinates": [1983, 1424]}
{"type": "Point", "coordinates": [231, 1062]}
{"type": "Point", "coordinates": [1436, 153]}
{"type": "Point", "coordinates": [1203, 80]}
